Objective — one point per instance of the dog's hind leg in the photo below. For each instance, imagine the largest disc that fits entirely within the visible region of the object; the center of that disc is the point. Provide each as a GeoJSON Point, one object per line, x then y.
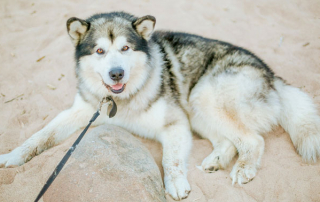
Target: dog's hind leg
{"type": "Point", "coordinates": [60, 128]}
{"type": "Point", "coordinates": [229, 136]}
{"type": "Point", "coordinates": [239, 106]}
{"type": "Point", "coordinates": [223, 153]}
{"type": "Point", "coordinates": [223, 149]}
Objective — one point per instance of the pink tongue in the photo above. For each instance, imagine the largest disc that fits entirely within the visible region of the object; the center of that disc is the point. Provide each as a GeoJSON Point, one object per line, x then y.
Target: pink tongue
{"type": "Point", "coordinates": [117, 86]}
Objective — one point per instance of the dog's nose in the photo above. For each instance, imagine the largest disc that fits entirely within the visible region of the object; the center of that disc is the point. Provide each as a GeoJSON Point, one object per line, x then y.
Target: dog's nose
{"type": "Point", "coordinates": [116, 74]}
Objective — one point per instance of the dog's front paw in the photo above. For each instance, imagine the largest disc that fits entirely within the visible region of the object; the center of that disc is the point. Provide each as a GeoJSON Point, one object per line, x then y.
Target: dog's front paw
{"type": "Point", "coordinates": [12, 159]}
{"type": "Point", "coordinates": [242, 173]}
{"type": "Point", "coordinates": [178, 188]}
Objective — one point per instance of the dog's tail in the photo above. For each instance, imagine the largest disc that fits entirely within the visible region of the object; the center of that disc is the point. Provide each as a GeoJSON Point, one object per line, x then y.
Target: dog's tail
{"type": "Point", "coordinates": [300, 119]}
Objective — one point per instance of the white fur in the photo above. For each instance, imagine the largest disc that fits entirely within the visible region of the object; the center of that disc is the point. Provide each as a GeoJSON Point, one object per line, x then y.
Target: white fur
{"type": "Point", "coordinates": [224, 108]}
{"type": "Point", "coordinates": [300, 119]}
{"type": "Point", "coordinates": [95, 68]}
{"type": "Point", "coordinates": [112, 58]}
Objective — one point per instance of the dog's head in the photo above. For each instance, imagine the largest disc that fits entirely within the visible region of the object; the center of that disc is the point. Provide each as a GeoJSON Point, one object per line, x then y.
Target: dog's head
{"type": "Point", "coordinates": [112, 52]}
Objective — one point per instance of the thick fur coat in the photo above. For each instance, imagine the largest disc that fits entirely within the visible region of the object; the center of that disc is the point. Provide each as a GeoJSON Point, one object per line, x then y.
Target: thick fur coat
{"type": "Point", "coordinates": [168, 84]}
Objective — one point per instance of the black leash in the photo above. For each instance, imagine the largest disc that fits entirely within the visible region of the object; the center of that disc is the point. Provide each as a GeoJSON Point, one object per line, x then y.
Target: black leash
{"type": "Point", "coordinates": [59, 167]}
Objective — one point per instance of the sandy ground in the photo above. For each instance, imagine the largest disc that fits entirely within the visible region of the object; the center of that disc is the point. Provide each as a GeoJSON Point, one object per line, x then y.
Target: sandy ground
{"type": "Point", "coordinates": [37, 68]}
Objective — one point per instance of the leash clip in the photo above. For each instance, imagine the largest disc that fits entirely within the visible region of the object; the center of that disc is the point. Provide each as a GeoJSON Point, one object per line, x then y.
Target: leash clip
{"type": "Point", "coordinates": [106, 100]}
{"type": "Point", "coordinates": [103, 102]}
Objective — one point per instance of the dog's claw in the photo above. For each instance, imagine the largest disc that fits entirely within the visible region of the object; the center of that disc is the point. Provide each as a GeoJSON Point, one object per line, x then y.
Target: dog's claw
{"type": "Point", "coordinates": [242, 174]}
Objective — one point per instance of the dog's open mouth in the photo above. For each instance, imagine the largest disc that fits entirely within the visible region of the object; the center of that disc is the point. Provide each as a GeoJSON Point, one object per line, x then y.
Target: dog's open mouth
{"type": "Point", "coordinates": [118, 88]}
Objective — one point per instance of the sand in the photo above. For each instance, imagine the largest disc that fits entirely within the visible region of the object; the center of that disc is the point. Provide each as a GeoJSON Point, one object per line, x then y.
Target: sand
{"type": "Point", "coordinates": [37, 68]}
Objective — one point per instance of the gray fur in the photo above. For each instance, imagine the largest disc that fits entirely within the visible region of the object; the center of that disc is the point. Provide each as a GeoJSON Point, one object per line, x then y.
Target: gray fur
{"type": "Point", "coordinates": [173, 83]}
{"type": "Point", "coordinates": [206, 56]}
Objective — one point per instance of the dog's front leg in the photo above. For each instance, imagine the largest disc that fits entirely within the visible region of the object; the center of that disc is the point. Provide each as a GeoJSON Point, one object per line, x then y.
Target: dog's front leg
{"type": "Point", "coordinates": [177, 142]}
{"type": "Point", "coordinates": [60, 128]}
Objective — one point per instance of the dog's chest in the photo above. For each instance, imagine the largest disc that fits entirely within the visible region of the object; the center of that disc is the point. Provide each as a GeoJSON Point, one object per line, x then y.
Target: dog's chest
{"type": "Point", "coordinates": [145, 122]}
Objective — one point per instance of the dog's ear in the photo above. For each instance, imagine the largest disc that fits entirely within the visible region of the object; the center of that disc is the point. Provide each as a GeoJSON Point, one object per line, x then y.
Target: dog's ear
{"type": "Point", "coordinates": [77, 28]}
{"type": "Point", "coordinates": [144, 26]}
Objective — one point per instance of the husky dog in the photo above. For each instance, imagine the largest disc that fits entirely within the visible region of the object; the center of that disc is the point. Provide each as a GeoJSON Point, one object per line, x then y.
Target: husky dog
{"type": "Point", "coordinates": [165, 85]}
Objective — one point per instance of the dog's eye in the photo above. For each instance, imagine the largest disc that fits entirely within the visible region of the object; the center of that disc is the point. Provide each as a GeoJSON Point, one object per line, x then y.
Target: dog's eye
{"type": "Point", "coordinates": [100, 51]}
{"type": "Point", "coordinates": [125, 48]}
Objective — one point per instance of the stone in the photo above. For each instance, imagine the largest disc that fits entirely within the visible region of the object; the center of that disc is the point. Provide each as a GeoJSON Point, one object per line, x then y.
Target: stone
{"type": "Point", "coordinates": [109, 164]}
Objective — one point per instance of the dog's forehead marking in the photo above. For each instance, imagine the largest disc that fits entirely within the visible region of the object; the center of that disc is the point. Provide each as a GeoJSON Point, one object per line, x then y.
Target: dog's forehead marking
{"type": "Point", "coordinates": [110, 28]}
{"type": "Point", "coordinates": [106, 43]}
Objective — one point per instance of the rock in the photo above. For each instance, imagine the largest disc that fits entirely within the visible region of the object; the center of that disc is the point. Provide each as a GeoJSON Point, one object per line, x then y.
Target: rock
{"type": "Point", "coordinates": [109, 164]}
